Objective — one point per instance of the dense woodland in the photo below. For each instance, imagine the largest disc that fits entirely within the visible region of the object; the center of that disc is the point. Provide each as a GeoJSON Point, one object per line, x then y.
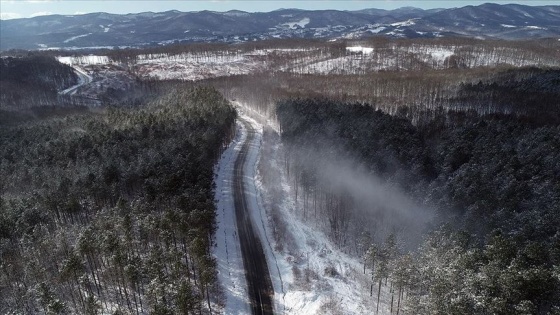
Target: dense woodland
{"type": "Point", "coordinates": [491, 182]}
{"type": "Point", "coordinates": [112, 211]}
{"type": "Point", "coordinates": [33, 80]}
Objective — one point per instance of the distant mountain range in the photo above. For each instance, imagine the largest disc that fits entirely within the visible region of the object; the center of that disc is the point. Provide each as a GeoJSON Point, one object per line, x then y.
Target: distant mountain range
{"type": "Point", "coordinates": [510, 21]}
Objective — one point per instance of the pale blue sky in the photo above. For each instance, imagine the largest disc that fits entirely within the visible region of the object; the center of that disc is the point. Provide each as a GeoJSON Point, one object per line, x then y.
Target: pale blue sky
{"type": "Point", "coordinates": [29, 8]}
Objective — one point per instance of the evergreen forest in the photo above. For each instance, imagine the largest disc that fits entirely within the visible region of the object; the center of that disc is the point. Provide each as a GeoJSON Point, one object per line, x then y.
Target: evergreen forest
{"type": "Point", "coordinates": [112, 210]}
{"type": "Point", "coordinates": [490, 182]}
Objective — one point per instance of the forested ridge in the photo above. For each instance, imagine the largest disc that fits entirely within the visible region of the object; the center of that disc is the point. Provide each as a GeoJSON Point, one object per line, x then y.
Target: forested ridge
{"type": "Point", "coordinates": [490, 180]}
{"type": "Point", "coordinates": [112, 210]}
{"type": "Point", "coordinates": [33, 80]}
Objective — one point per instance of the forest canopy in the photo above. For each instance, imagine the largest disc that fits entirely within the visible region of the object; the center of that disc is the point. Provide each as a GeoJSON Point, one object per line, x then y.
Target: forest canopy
{"type": "Point", "coordinates": [491, 180]}
{"type": "Point", "coordinates": [112, 210]}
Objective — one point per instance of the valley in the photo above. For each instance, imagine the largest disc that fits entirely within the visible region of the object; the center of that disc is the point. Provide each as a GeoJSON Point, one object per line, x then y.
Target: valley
{"type": "Point", "coordinates": [297, 162]}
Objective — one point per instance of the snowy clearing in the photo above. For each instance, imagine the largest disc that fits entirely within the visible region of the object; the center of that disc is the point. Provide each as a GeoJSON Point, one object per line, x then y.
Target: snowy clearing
{"type": "Point", "coordinates": [360, 49]}
{"type": "Point", "coordinates": [84, 60]}
{"type": "Point", "coordinates": [404, 23]}
{"type": "Point", "coordinates": [301, 23]}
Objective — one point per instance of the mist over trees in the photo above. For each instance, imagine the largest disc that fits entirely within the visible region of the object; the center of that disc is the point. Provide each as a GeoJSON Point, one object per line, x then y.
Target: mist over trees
{"type": "Point", "coordinates": [492, 178]}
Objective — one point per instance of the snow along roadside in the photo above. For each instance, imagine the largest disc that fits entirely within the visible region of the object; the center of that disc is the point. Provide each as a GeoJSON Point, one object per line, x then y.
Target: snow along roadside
{"type": "Point", "coordinates": [258, 213]}
{"type": "Point", "coordinates": [347, 292]}
{"type": "Point", "coordinates": [231, 274]}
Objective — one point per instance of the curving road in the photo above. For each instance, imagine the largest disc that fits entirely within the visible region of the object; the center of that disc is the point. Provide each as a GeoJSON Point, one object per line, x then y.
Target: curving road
{"type": "Point", "coordinates": [254, 261]}
{"type": "Point", "coordinates": [83, 78]}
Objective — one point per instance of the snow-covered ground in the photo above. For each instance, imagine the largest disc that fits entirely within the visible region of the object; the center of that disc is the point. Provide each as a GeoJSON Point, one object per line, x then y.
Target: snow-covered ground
{"type": "Point", "coordinates": [231, 274]}
{"type": "Point", "coordinates": [360, 49]}
{"type": "Point", "coordinates": [301, 23]}
{"type": "Point", "coordinates": [86, 60]}
{"type": "Point", "coordinates": [310, 275]}
{"type": "Point", "coordinates": [436, 54]}
{"type": "Point", "coordinates": [76, 37]}
{"type": "Point", "coordinates": [193, 66]}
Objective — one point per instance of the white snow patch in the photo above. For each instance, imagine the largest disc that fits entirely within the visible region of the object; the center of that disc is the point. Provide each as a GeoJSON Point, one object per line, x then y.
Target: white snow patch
{"type": "Point", "coordinates": [76, 37]}
{"type": "Point", "coordinates": [404, 23]}
{"type": "Point", "coordinates": [346, 292]}
{"type": "Point", "coordinates": [84, 60]}
{"type": "Point", "coordinates": [440, 53]}
{"type": "Point", "coordinates": [301, 23]}
{"type": "Point", "coordinates": [378, 29]}
{"type": "Point", "coordinates": [193, 66]}
{"type": "Point", "coordinates": [360, 49]}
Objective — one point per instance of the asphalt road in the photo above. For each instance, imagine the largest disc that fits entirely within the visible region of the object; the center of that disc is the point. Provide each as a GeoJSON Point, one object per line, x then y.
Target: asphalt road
{"type": "Point", "coordinates": [83, 79]}
{"type": "Point", "coordinates": [254, 260]}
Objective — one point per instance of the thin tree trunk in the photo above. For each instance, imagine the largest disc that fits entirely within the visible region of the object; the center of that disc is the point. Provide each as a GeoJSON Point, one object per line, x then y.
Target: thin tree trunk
{"type": "Point", "coordinates": [208, 300]}
{"type": "Point", "coordinates": [378, 295]}
{"type": "Point", "coordinates": [399, 300]}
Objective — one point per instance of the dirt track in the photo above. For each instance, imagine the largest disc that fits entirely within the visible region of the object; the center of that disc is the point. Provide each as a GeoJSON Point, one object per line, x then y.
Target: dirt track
{"type": "Point", "coordinates": [254, 260]}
